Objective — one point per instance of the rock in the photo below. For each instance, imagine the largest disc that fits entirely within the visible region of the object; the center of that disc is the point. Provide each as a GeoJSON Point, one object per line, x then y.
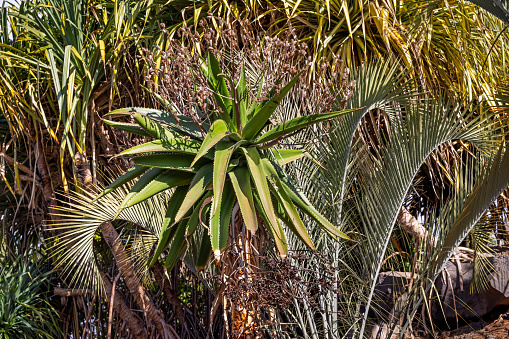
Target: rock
{"type": "Point", "coordinates": [454, 289]}
{"type": "Point", "coordinates": [390, 294]}
{"type": "Point", "coordinates": [390, 285]}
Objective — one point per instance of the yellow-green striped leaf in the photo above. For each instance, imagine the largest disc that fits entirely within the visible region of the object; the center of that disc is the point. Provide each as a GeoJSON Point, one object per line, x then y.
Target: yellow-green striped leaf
{"type": "Point", "coordinates": [276, 231]}
{"type": "Point", "coordinates": [204, 252]}
{"type": "Point", "coordinates": [257, 172]}
{"type": "Point", "coordinates": [179, 162]}
{"type": "Point", "coordinates": [256, 123]}
{"type": "Point", "coordinates": [179, 145]}
{"type": "Point", "coordinates": [299, 123]}
{"type": "Point", "coordinates": [200, 183]}
{"type": "Point", "coordinates": [167, 231]}
{"type": "Point", "coordinates": [242, 185]}
{"type": "Point", "coordinates": [177, 245]}
{"type": "Point", "coordinates": [127, 127]}
{"type": "Point", "coordinates": [284, 156]}
{"type": "Point", "coordinates": [145, 179]}
{"type": "Point", "coordinates": [164, 181]}
{"type": "Point", "coordinates": [304, 205]}
{"type": "Point", "coordinates": [220, 221]}
{"type": "Point", "coordinates": [217, 131]}
{"type": "Point", "coordinates": [156, 130]}
{"type": "Point", "coordinates": [222, 157]}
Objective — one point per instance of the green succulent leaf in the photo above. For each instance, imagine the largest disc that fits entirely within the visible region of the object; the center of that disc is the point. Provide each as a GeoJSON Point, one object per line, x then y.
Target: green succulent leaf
{"type": "Point", "coordinates": [164, 181]}
{"type": "Point", "coordinates": [181, 123]}
{"type": "Point", "coordinates": [204, 252]}
{"type": "Point", "coordinates": [256, 169]}
{"type": "Point", "coordinates": [180, 162]}
{"type": "Point", "coordinates": [298, 199]}
{"type": "Point", "coordinates": [220, 89]}
{"type": "Point", "coordinates": [177, 245]}
{"type": "Point", "coordinates": [243, 190]}
{"type": "Point", "coordinates": [156, 130]}
{"type": "Point", "coordinates": [262, 115]}
{"type": "Point", "coordinates": [179, 145]}
{"type": "Point", "coordinates": [242, 97]}
{"type": "Point", "coordinates": [217, 131]}
{"type": "Point", "coordinates": [127, 127]}
{"type": "Point", "coordinates": [284, 156]}
{"type": "Point", "coordinates": [287, 207]}
{"type": "Point", "coordinates": [200, 183]}
{"type": "Point", "coordinates": [276, 231]}
{"type": "Point", "coordinates": [224, 151]}
{"type": "Point", "coordinates": [185, 125]}
{"type": "Point", "coordinates": [131, 110]}
{"type": "Point", "coordinates": [292, 218]}
{"type": "Point", "coordinates": [220, 221]}
{"type": "Point", "coordinates": [144, 180]}
{"type": "Point", "coordinates": [167, 231]}
{"type": "Point", "coordinates": [304, 205]}
{"type": "Point", "coordinates": [299, 123]}
{"type": "Point", "coordinates": [194, 220]}
{"type": "Point", "coordinates": [131, 173]}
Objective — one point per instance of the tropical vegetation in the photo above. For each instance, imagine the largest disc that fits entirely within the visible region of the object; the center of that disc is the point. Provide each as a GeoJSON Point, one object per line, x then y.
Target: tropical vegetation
{"type": "Point", "coordinates": [199, 169]}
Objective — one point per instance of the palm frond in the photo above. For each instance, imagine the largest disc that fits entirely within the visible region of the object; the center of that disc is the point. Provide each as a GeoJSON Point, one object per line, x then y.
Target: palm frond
{"type": "Point", "coordinates": [486, 191]}
{"type": "Point", "coordinates": [80, 218]}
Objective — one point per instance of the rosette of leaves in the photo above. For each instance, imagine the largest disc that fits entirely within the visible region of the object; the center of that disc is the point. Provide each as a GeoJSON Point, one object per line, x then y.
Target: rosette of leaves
{"type": "Point", "coordinates": [213, 165]}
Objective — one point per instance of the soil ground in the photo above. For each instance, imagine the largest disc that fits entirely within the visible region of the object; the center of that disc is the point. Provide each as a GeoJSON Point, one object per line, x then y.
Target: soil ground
{"type": "Point", "coordinates": [497, 329]}
{"type": "Point", "coordinates": [494, 326]}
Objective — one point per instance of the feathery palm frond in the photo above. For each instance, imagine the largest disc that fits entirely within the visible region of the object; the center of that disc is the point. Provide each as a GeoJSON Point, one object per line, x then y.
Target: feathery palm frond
{"type": "Point", "coordinates": [416, 130]}
{"type": "Point", "coordinates": [386, 185]}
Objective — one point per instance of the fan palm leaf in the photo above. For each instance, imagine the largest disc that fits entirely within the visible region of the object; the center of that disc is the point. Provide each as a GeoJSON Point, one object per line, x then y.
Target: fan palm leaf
{"type": "Point", "coordinates": [79, 221]}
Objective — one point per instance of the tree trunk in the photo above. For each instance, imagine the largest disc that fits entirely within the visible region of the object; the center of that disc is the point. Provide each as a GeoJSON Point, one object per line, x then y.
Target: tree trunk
{"type": "Point", "coordinates": [133, 322]}
{"type": "Point", "coordinates": [125, 266]}
{"type": "Point", "coordinates": [413, 227]}
{"type": "Point", "coordinates": [133, 283]}
{"type": "Point", "coordinates": [170, 295]}
{"type": "Point", "coordinates": [242, 265]}
{"type": "Point", "coordinates": [45, 179]}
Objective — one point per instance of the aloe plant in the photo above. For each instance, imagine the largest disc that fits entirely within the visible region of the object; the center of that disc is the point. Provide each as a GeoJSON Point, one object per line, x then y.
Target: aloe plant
{"type": "Point", "coordinates": [229, 158]}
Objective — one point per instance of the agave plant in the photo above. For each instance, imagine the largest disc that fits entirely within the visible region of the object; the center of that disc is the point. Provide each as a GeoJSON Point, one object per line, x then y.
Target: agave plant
{"type": "Point", "coordinates": [225, 160]}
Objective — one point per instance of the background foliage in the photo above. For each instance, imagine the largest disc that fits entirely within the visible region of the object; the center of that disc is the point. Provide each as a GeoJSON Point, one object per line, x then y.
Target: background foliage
{"type": "Point", "coordinates": [428, 79]}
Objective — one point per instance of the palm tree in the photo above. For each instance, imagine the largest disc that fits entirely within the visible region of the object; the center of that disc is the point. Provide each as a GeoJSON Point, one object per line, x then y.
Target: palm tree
{"type": "Point", "coordinates": [63, 65]}
{"type": "Point", "coordinates": [444, 45]}
{"type": "Point", "coordinates": [365, 189]}
{"type": "Point", "coordinates": [66, 64]}
{"type": "Point", "coordinates": [446, 223]}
